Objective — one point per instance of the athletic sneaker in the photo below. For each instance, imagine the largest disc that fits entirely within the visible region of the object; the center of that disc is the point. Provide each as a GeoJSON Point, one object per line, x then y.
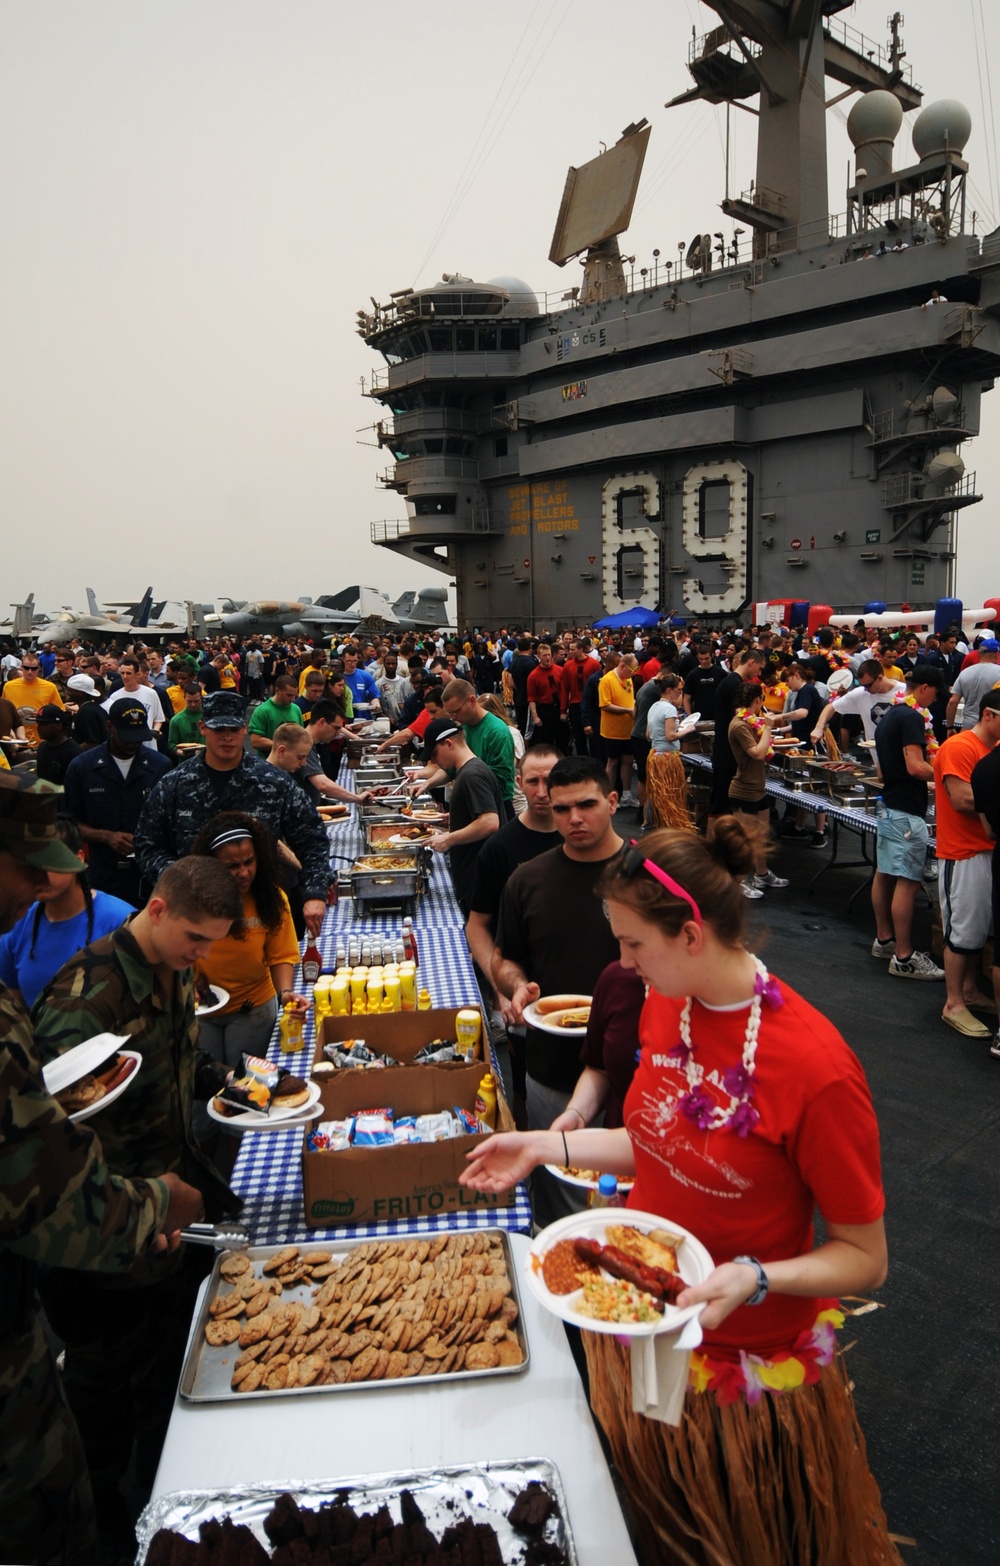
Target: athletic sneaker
{"type": "Point", "coordinates": [995, 1046]}
{"type": "Point", "coordinates": [628, 801]}
{"type": "Point", "coordinates": [818, 840]}
{"type": "Point", "coordinates": [769, 879]}
{"type": "Point", "coordinates": [931, 870]}
{"type": "Point", "coordinates": [917, 966]}
{"type": "Point", "coordinates": [884, 949]}
{"type": "Point", "coordinates": [749, 887]}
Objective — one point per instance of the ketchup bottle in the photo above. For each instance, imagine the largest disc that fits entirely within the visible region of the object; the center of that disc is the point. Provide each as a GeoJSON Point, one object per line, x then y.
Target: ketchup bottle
{"type": "Point", "coordinates": [312, 962]}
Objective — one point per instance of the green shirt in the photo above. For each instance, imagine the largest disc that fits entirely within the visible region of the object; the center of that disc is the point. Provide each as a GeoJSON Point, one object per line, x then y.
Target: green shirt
{"type": "Point", "coordinates": [492, 740]}
{"type": "Point", "coordinates": [185, 729]}
{"type": "Point", "coordinates": [268, 716]}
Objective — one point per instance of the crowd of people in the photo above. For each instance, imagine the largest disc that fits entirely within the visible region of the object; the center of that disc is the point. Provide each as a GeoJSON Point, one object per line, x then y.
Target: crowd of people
{"type": "Point", "coordinates": [161, 822]}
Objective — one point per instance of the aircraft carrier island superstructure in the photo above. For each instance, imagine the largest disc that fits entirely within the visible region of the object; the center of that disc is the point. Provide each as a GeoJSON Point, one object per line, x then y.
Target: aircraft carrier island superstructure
{"type": "Point", "coordinates": [774, 414]}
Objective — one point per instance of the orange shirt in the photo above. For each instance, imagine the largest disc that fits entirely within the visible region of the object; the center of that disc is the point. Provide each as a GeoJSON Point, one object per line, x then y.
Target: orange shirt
{"type": "Point", "coordinates": [959, 836]}
{"type": "Point", "coordinates": [243, 967]}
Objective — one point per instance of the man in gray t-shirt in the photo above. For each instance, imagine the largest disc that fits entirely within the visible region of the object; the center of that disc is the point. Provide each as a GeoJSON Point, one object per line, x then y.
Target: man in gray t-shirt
{"type": "Point", "coordinates": [972, 685]}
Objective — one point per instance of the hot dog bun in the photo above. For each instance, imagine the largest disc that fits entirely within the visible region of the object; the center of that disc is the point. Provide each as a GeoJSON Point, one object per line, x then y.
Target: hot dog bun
{"type": "Point", "coordinates": [548, 1004]}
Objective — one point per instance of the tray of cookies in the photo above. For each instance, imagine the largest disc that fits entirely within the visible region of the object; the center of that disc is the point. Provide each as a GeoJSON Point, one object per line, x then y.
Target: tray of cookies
{"type": "Point", "coordinates": [288, 1320]}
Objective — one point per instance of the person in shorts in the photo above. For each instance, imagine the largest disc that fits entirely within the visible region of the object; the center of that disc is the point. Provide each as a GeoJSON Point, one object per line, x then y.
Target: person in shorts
{"type": "Point", "coordinates": [902, 838]}
{"type": "Point", "coordinates": [965, 852]}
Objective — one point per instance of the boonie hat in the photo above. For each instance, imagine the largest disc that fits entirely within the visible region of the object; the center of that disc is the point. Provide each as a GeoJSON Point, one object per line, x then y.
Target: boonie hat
{"type": "Point", "coordinates": [129, 718]}
{"type": "Point", "coordinates": [28, 811]}
{"type": "Point", "coordinates": [223, 710]}
{"type": "Point", "coordinates": [82, 683]}
{"type": "Point", "coordinates": [989, 644]}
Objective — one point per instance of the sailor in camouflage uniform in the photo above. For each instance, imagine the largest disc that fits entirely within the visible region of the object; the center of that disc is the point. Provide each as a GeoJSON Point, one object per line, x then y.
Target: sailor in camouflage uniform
{"type": "Point", "coordinates": [223, 776]}
{"type": "Point", "coordinates": [58, 1205]}
{"type": "Point", "coordinates": [125, 1335]}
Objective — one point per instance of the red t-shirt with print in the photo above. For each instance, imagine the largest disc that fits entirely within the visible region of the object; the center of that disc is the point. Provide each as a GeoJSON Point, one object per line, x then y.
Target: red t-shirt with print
{"type": "Point", "coordinates": [815, 1145]}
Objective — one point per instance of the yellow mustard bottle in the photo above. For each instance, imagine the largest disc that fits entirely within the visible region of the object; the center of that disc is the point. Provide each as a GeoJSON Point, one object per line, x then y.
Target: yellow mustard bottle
{"type": "Point", "coordinates": [486, 1101]}
{"type": "Point", "coordinates": [292, 1038]}
{"type": "Point", "coordinates": [468, 1024]}
{"type": "Point", "coordinates": [424, 1000]}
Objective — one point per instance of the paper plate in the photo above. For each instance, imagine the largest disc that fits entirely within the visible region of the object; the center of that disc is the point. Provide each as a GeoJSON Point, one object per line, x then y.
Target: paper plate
{"type": "Point", "coordinates": [625, 1182]}
{"type": "Point", "coordinates": [533, 1019]}
{"type": "Point", "coordinates": [206, 1011]}
{"type": "Point", "coordinates": [109, 1098]}
{"type": "Point", "coordinates": [693, 1262]}
{"type": "Point", "coordinates": [80, 1061]}
{"type": "Point", "coordinates": [690, 722]}
{"type": "Point", "coordinates": [277, 1119]}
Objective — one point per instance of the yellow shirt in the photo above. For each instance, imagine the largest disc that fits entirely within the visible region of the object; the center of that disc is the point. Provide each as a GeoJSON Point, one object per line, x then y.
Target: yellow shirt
{"type": "Point", "coordinates": [774, 696]}
{"type": "Point", "coordinates": [893, 673]}
{"type": "Point", "coordinates": [227, 677]}
{"type": "Point", "coordinates": [612, 691]}
{"type": "Point", "coordinates": [310, 669]}
{"type": "Point", "coordinates": [175, 694]}
{"type": "Point", "coordinates": [243, 966]}
{"type": "Point", "coordinates": [28, 699]}
{"type": "Point", "coordinates": [4, 763]}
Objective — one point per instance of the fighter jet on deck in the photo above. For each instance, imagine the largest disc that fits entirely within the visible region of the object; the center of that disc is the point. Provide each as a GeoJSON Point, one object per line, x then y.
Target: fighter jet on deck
{"type": "Point", "coordinates": [68, 623]}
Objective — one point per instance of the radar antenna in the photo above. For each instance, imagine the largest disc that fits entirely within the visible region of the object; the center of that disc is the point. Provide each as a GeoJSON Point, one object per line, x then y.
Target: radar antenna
{"type": "Point", "coordinates": [596, 207]}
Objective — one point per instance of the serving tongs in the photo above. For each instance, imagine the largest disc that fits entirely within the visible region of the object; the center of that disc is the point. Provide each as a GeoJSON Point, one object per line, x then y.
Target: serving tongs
{"type": "Point", "coordinates": [220, 1236]}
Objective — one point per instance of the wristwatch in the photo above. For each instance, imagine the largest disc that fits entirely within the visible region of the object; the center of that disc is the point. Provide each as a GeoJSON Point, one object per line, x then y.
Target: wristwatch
{"type": "Point", "coordinates": [759, 1294]}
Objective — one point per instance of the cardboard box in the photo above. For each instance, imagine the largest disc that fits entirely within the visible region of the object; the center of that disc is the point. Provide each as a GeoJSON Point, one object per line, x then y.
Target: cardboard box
{"type": "Point", "coordinates": [366, 1184]}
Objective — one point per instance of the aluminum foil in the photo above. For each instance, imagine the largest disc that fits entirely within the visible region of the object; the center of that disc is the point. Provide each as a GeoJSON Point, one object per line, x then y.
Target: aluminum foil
{"type": "Point", "coordinates": [207, 1371]}
{"type": "Point", "coordinates": [483, 1491]}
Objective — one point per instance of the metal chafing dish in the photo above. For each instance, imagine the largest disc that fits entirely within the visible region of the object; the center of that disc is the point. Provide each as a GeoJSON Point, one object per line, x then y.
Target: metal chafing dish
{"type": "Point", "coordinates": [358, 749]}
{"type": "Point", "coordinates": [379, 829]}
{"type": "Point", "coordinates": [396, 883]}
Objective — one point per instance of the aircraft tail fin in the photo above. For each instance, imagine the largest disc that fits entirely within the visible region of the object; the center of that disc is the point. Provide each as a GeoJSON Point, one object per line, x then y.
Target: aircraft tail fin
{"type": "Point", "coordinates": [195, 619]}
{"type": "Point", "coordinates": [141, 618]}
{"type": "Point", "coordinates": [24, 614]}
{"type": "Point", "coordinates": [93, 607]}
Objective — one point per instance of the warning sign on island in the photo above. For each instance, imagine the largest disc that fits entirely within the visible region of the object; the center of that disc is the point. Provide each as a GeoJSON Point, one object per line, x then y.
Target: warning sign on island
{"type": "Point", "coordinates": [526, 564]}
{"type": "Point", "coordinates": [795, 543]}
{"type": "Point", "coordinates": [591, 558]}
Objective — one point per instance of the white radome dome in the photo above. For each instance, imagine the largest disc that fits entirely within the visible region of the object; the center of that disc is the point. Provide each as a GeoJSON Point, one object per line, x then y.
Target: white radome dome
{"type": "Point", "coordinates": [876, 116]}
{"type": "Point", "coordinates": [946, 121]}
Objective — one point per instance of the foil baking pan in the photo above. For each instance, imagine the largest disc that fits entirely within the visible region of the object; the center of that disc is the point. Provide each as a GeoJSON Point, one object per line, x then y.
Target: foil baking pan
{"type": "Point", "coordinates": [483, 1492]}
{"type": "Point", "coordinates": [208, 1371]}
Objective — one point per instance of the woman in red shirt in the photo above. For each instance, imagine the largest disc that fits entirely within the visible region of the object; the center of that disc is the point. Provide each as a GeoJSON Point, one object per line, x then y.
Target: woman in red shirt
{"type": "Point", "coordinates": [747, 1112]}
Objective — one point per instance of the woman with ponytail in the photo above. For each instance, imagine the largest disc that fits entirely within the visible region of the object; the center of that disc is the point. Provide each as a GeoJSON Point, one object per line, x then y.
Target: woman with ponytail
{"type": "Point", "coordinates": [746, 1114]}
{"type": "Point", "coordinates": [65, 917]}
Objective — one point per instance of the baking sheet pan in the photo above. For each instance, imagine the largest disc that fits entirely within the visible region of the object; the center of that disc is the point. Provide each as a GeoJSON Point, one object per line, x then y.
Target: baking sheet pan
{"type": "Point", "coordinates": [207, 1371]}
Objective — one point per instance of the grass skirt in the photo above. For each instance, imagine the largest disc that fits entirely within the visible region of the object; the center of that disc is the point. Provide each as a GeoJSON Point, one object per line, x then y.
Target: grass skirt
{"type": "Point", "coordinates": [666, 790]}
{"type": "Point", "coordinates": [783, 1483]}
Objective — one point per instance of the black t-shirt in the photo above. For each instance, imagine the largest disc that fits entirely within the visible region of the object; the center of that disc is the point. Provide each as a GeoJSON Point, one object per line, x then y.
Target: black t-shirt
{"type": "Point", "coordinates": [726, 699]}
{"type": "Point", "coordinates": [701, 686]}
{"type": "Point", "coordinates": [822, 666]}
{"type": "Point", "coordinates": [514, 844]}
{"type": "Point", "coordinates": [553, 926]}
{"type": "Point", "coordinates": [810, 698]}
{"type": "Point", "coordinates": [475, 793]}
{"type": "Point", "coordinates": [90, 726]}
{"type": "Point", "coordinates": [901, 726]}
{"type": "Point", "coordinates": [986, 797]}
{"type": "Point", "coordinates": [521, 666]}
{"type": "Point", "coordinates": [52, 760]}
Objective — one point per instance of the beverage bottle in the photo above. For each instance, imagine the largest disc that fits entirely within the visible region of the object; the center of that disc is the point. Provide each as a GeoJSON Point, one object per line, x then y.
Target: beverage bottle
{"type": "Point", "coordinates": [292, 1039]}
{"type": "Point", "coordinates": [468, 1025]}
{"type": "Point", "coordinates": [607, 1193]}
{"type": "Point", "coordinates": [424, 1000]}
{"type": "Point", "coordinates": [486, 1101]}
{"type": "Point", "coordinates": [312, 962]}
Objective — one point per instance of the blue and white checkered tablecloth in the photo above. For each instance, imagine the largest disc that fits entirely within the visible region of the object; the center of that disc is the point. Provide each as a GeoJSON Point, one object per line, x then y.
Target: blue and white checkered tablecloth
{"type": "Point", "coordinates": [268, 1174]}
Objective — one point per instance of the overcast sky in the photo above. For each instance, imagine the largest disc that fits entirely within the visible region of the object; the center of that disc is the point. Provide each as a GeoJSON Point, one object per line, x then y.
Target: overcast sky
{"type": "Point", "coordinates": [197, 195]}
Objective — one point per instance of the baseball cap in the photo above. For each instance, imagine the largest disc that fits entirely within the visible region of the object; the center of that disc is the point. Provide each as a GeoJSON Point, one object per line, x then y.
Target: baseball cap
{"type": "Point", "coordinates": [82, 683]}
{"type": "Point", "coordinates": [128, 717]}
{"type": "Point", "coordinates": [28, 811]}
{"type": "Point", "coordinates": [989, 644]}
{"type": "Point", "coordinates": [223, 710]}
{"type": "Point", "coordinates": [440, 729]}
{"type": "Point", "coordinates": [50, 713]}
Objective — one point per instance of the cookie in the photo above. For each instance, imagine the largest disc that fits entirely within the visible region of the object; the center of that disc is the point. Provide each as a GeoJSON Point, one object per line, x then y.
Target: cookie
{"type": "Point", "coordinates": [482, 1356]}
{"type": "Point", "coordinates": [414, 1363]}
{"type": "Point", "coordinates": [253, 1352]}
{"type": "Point", "coordinates": [281, 1258]}
{"type": "Point", "coordinates": [233, 1264]}
{"type": "Point", "coordinates": [218, 1333]}
{"type": "Point", "coordinates": [258, 1305]}
{"type": "Point", "coordinates": [252, 1376]}
{"type": "Point", "coordinates": [364, 1364]}
{"type": "Point", "coordinates": [396, 1366]}
{"type": "Point", "coordinates": [254, 1332]}
{"type": "Point", "coordinates": [226, 1305]}
{"type": "Point", "coordinates": [508, 1353]}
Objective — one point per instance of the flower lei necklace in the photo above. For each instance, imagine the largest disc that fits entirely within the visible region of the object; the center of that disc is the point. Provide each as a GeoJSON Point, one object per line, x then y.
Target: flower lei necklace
{"type": "Point", "coordinates": [901, 700]}
{"type": "Point", "coordinates": [754, 721]}
{"type": "Point", "coordinates": [696, 1104]}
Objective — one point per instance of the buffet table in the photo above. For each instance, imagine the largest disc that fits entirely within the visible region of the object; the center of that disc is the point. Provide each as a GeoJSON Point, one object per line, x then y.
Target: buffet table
{"type": "Point", "coordinates": [541, 1413]}
{"type": "Point", "coordinates": [268, 1173]}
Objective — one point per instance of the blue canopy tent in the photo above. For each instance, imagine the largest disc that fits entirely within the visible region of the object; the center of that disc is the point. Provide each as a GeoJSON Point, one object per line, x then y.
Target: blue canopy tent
{"type": "Point", "coordinates": [637, 617]}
